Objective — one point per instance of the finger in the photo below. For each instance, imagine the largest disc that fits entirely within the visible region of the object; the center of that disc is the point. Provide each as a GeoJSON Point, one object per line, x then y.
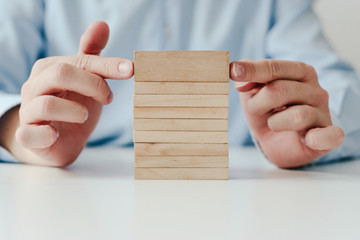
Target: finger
{"type": "Point", "coordinates": [60, 77]}
{"type": "Point", "coordinates": [264, 71]}
{"type": "Point", "coordinates": [246, 86]}
{"type": "Point", "coordinates": [324, 138]}
{"type": "Point", "coordinates": [105, 67]}
{"type": "Point", "coordinates": [281, 93]}
{"type": "Point", "coordinates": [95, 38]}
{"type": "Point", "coordinates": [297, 118]}
{"type": "Point", "coordinates": [36, 136]}
{"type": "Point", "coordinates": [50, 108]}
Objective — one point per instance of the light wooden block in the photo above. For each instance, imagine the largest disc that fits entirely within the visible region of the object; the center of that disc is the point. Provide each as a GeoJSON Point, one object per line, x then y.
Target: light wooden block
{"type": "Point", "coordinates": [180, 88]}
{"type": "Point", "coordinates": [181, 66]}
{"type": "Point", "coordinates": [182, 173]}
{"type": "Point", "coordinates": [181, 100]}
{"type": "Point", "coordinates": [181, 149]}
{"type": "Point", "coordinates": [179, 137]}
{"type": "Point", "coordinates": [180, 113]}
{"type": "Point", "coordinates": [181, 124]}
{"type": "Point", "coordinates": [182, 161]}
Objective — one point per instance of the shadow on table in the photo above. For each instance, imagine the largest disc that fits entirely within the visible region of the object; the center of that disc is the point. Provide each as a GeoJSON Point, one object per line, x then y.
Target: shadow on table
{"type": "Point", "coordinates": [107, 163]}
{"type": "Point", "coordinates": [342, 168]}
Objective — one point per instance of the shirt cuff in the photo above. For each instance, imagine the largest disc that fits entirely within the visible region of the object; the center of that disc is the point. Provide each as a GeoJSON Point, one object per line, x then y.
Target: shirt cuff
{"type": "Point", "coordinates": [8, 101]}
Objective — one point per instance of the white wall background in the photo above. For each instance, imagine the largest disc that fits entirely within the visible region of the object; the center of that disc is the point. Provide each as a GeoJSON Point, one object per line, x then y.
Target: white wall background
{"type": "Point", "coordinates": [341, 22]}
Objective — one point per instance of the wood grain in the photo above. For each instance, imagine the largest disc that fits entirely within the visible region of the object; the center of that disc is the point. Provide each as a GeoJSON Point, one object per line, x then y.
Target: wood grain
{"type": "Point", "coordinates": [180, 88]}
{"type": "Point", "coordinates": [182, 173]}
{"type": "Point", "coordinates": [181, 124]}
{"type": "Point", "coordinates": [181, 100]}
{"type": "Point", "coordinates": [179, 137]}
{"type": "Point", "coordinates": [179, 149]}
{"type": "Point", "coordinates": [181, 161]}
{"type": "Point", "coordinates": [180, 113]}
{"type": "Point", "coordinates": [181, 66]}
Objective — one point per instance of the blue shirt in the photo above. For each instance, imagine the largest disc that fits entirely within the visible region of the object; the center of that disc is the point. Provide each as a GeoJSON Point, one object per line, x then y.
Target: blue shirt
{"type": "Point", "coordinates": [255, 29]}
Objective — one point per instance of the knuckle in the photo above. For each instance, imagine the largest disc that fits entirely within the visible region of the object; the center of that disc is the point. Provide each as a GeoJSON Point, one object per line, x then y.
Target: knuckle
{"type": "Point", "coordinates": [21, 112]}
{"type": "Point", "coordinates": [51, 134]}
{"type": "Point", "coordinates": [40, 63]}
{"type": "Point", "coordinates": [110, 66]}
{"type": "Point", "coordinates": [47, 105]}
{"type": "Point", "coordinates": [339, 133]}
{"type": "Point", "coordinates": [322, 96]}
{"type": "Point", "coordinates": [274, 68]}
{"type": "Point", "coordinates": [301, 117]}
{"type": "Point", "coordinates": [311, 141]}
{"type": "Point", "coordinates": [21, 137]}
{"type": "Point", "coordinates": [309, 71]}
{"type": "Point", "coordinates": [63, 71]}
{"type": "Point", "coordinates": [82, 61]}
{"type": "Point", "coordinates": [25, 88]}
{"type": "Point", "coordinates": [249, 69]}
{"type": "Point", "coordinates": [102, 88]}
{"type": "Point", "coordinates": [276, 90]}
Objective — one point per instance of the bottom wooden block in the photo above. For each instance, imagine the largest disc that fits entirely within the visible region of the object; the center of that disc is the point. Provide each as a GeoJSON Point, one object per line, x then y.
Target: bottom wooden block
{"type": "Point", "coordinates": [182, 173]}
{"type": "Point", "coordinates": [181, 149]}
{"type": "Point", "coordinates": [182, 161]}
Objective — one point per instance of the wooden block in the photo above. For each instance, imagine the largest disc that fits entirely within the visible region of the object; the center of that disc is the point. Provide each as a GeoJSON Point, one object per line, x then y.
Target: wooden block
{"type": "Point", "coordinates": [181, 161]}
{"type": "Point", "coordinates": [179, 149]}
{"type": "Point", "coordinates": [181, 100]}
{"type": "Point", "coordinates": [180, 113]}
{"type": "Point", "coordinates": [182, 173]}
{"type": "Point", "coordinates": [181, 124]}
{"type": "Point", "coordinates": [179, 88]}
{"type": "Point", "coordinates": [180, 137]}
{"type": "Point", "coordinates": [181, 66]}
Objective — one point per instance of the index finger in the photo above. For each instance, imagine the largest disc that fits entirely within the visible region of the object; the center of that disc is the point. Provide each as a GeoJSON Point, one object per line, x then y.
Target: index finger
{"type": "Point", "coordinates": [264, 71]}
{"type": "Point", "coordinates": [105, 67]}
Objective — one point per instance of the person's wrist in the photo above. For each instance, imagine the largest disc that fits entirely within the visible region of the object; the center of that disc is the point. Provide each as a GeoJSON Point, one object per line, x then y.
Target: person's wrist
{"type": "Point", "coordinates": [9, 122]}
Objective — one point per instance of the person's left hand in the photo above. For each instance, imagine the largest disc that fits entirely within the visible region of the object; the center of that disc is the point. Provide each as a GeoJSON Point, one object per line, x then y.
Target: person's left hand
{"type": "Point", "coordinates": [286, 109]}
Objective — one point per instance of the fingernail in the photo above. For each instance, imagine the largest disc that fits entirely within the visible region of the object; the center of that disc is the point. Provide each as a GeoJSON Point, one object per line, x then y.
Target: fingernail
{"type": "Point", "coordinates": [110, 97]}
{"type": "Point", "coordinates": [125, 67]}
{"type": "Point", "coordinates": [86, 116]}
{"type": "Point", "coordinates": [238, 70]}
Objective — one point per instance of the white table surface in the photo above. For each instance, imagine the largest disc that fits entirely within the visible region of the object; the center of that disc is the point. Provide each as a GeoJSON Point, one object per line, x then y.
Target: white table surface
{"type": "Point", "coordinates": [97, 198]}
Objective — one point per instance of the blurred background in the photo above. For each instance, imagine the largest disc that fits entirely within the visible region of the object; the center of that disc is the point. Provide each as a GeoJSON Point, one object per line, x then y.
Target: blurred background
{"type": "Point", "coordinates": [341, 20]}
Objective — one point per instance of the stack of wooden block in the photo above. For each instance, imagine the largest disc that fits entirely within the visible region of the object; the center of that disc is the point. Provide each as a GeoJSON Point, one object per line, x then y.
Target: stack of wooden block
{"type": "Point", "coordinates": [181, 114]}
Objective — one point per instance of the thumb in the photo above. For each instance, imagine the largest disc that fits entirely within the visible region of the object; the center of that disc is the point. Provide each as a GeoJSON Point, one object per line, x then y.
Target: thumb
{"type": "Point", "coordinates": [95, 38]}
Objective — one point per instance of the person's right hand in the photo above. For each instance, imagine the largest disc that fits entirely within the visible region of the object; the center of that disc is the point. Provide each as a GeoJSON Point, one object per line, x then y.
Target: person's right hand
{"type": "Point", "coordinates": [63, 98]}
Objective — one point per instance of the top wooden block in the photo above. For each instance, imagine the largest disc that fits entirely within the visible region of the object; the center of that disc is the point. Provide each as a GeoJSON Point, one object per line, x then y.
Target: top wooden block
{"type": "Point", "coordinates": [181, 66]}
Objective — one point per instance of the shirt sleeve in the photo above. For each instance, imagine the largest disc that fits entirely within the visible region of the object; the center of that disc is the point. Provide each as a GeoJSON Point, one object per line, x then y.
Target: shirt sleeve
{"type": "Point", "coordinates": [22, 43]}
{"type": "Point", "coordinates": [295, 34]}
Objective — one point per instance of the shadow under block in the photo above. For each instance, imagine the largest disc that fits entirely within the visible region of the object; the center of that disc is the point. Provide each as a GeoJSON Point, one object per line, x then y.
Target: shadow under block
{"type": "Point", "coordinates": [181, 66]}
{"type": "Point", "coordinates": [179, 137]}
{"type": "Point", "coordinates": [182, 161]}
{"type": "Point", "coordinates": [182, 173]}
{"type": "Point", "coordinates": [180, 88]}
{"type": "Point", "coordinates": [180, 124]}
{"type": "Point", "coordinates": [180, 113]}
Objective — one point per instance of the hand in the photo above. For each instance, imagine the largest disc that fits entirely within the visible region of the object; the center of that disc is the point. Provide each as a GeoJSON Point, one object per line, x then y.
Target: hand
{"type": "Point", "coordinates": [286, 109]}
{"type": "Point", "coordinates": [63, 99]}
